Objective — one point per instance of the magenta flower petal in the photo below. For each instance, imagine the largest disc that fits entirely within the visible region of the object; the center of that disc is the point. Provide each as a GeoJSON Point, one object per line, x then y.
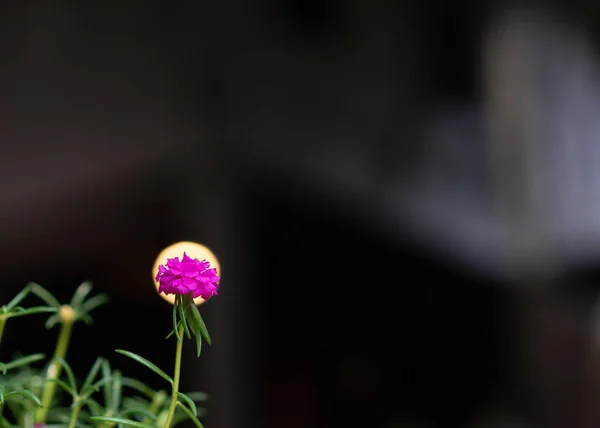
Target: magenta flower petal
{"type": "Point", "coordinates": [188, 276]}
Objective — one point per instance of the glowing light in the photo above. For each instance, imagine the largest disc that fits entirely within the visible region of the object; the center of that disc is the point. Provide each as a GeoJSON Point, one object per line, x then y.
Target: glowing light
{"type": "Point", "coordinates": [195, 251]}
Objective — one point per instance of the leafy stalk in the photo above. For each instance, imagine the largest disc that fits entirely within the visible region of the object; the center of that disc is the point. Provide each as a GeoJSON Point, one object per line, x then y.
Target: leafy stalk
{"type": "Point", "coordinates": [74, 416]}
{"type": "Point", "coordinates": [67, 315]}
{"type": "Point", "coordinates": [55, 368]}
{"type": "Point", "coordinates": [176, 375]}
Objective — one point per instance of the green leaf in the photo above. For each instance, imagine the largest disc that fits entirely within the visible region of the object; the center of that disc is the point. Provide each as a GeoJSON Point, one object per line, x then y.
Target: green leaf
{"type": "Point", "coordinates": [197, 396]}
{"type": "Point", "coordinates": [92, 373]}
{"type": "Point", "coordinates": [64, 386]}
{"type": "Point", "coordinates": [80, 294]}
{"type": "Point", "coordinates": [94, 406]}
{"type": "Point", "coordinates": [23, 361]}
{"type": "Point", "coordinates": [197, 320]}
{"type": "Point", "coordinates": [43, 294]}
{"type": "Point", "coordinates": [198, 336]}
{"type": "Point", "coordinates": [106, 374]}
{"type": "Point", "coordinates": [182, 318]}
{"type": "Point", "coordinates": [26, 394]}
{"type": "Point", "coordinates": [175, 324]}
{"type": "Point", "coordinates": [52, 321]}
{"type": "Point", "coordinates": [94, 302]}
{"type": "Point", "coordinates": [126, 422]}
{"type": "Point", "coordinates": [189, 402]}
{"type": "Point", "coordinates": [145, 363]}
{"type": "Point", "coordinates": [138, 386]}
{"type": "Point", "coordinates": [117, 392]}
{"type": "Point", "coordinates": [3, 368]}
{"type": "Point", "coordinates": [190, 415]}
{"type": "Point", "coordinates": [171, 334]}
{"type": "Point", "coordinates": [32, 311]}
{"type": "Point", "coordinates": [17, 299]}
{"type": "Point", "coordinates": [68, 371]}
{"type": "Point", "coordinates": [94, 388]}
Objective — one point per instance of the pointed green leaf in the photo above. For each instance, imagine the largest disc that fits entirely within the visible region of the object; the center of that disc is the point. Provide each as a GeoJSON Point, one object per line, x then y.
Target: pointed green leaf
{"type": "Point", "coordinates": [92, 373]}
{"type": "Point", "coordinates": [138, 386]}
{"type": "Point", "coordinates": [106, 374]}
{"type": "Point", "coordinates": [68, 371]}
{"type": "Point", "coordinates": [80, 294]}
{"type": "Point", "coordinates": [52, 321]}
{"type": "Point", "coordinates": [125, 422]}
{"type": "Point", "coordinates": [95, 408]}
{"type": "Point", "coordinates": [171, 334]}
{"type": "Point", "coordinates": [175, 324]}
{"type": "Point", "coordinates": [190, 415]}
{"type": "Point", "coordinates": [197, 396]}
{"type": "Point", "coordinates": [23, 361]}
{"type": "Point", "coordinates": [197, 320]}
{"type": "Point", "coordinates": [94, 302]}
{"type": "Point", "coordinates": [197, 335]}
{"type": "Point", "coordinates": [26, 394]}
{"type": "Point", "coordinates": [198, 345]}
{"type": "Point", "coordinates": [64, 386]}
{"type": "Point", "coordinates": [145, 363]}
{"type": "Point", "coordinates": [93, 388]}
{"type": "Point", "coordinates": [182, 319]}
{"type": "Point", "coordinates": [3, 368]}
{"type": "Point", "coordinates": [189, 402]}
{"type": "Point", "coordinates": [43, 294]}
{"type": "Point", "coordinates": [117, 392]}
{"type": "Point", "coordinates": [17, 299]}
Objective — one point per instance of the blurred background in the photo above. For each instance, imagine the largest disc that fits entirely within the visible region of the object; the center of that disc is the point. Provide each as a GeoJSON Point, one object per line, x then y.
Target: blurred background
{"type": "Point", "coordinates": [404, 197]}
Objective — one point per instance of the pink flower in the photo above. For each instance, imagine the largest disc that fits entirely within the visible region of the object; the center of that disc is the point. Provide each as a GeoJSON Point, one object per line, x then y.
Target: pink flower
{"type": "Point", "coordinates": [188, 276]}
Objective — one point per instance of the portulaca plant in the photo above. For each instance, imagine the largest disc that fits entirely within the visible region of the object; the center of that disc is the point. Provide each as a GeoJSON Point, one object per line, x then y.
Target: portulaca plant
{"type": "Point", "coordinates": [103, 397]}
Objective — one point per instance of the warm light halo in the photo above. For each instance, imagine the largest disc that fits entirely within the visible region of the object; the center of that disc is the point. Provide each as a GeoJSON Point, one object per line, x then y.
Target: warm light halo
{"type": "Point", "coordinates": [193, 250]}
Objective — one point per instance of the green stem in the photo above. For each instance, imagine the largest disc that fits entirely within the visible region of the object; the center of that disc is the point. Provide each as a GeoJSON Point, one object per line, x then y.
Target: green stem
{"type": "Point", "coordinates": [54, 369]}
{"type": "Point", "coordinates": [3, 320]}
{"type": "Point", "coordinates": [176, 376]}
{"type": "Point", "coordinates": [74, 416]}
{"type": "Point", "coordinates": [27, 420]}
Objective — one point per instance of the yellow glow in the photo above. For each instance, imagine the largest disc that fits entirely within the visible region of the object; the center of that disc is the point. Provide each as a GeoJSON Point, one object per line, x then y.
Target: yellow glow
{"type": "Point", "coordinates": [193, 250]}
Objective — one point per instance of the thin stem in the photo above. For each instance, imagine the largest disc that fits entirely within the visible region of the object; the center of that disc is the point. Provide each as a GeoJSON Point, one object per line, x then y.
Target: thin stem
{"type": "Point", "coordinates": [176, 376]}
{"type": "Point", "coordinates": [74, 416]}
{"type": "Point", "coordinates": [54, 369]}
{"type": "Point", "coordinates": [27, 420]}
{"type": "Point", "coordinates": [3, 319]}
